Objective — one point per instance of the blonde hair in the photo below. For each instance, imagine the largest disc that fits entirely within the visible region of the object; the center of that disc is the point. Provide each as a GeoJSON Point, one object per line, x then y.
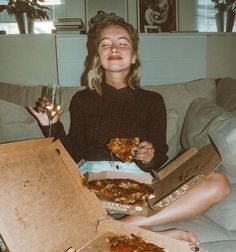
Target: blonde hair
{"type": "Point", "coordinates": [93, 74]}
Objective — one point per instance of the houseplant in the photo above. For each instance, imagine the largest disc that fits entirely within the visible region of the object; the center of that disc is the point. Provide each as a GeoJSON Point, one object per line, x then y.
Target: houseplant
{"type": "Point", "coordinates": [231, 10]}
{"type": "Point", "coordinates": [223, 7]}
{"type": "Point", "coordinates": [25, 11]}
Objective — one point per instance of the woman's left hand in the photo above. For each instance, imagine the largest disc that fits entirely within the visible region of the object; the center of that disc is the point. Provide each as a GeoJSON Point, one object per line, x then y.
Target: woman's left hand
{"type": "Point", "coordinates": [145, 152]}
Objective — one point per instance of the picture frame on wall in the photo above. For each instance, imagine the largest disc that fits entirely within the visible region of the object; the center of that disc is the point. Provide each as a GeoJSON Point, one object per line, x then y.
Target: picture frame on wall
{"type": "Point", "coordinates": [156, 16]}
{"type": "Point", "coordinates": [118, 7]}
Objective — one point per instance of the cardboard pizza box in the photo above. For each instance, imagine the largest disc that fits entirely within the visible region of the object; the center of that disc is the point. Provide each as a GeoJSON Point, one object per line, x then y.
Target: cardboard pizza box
{"type": "Point", "coordinates": [45, 206]}
{"type": "Point", "coordinates": [172, 182]}
{"type": "Point", "coordinates": [110, 227]}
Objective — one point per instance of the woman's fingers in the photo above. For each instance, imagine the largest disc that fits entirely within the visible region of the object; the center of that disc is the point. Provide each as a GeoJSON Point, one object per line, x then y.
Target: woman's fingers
{"type": "Point", "coordinates": [57, 115]}
{"type": "Point", "coordinates": [144, 152]}
{"type": "Point", "coordinates": [42, 117]}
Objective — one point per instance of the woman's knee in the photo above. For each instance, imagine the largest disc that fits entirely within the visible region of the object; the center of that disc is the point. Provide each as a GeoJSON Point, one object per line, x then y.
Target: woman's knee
{"type": "Point", "coordinates": [220, 185]}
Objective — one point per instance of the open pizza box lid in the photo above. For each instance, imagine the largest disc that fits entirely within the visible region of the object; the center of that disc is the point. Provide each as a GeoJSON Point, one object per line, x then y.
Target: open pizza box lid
{"type": "Point", "coordinates": [173, 181]}
{"type": "Point", "coordinates": [44, 205]}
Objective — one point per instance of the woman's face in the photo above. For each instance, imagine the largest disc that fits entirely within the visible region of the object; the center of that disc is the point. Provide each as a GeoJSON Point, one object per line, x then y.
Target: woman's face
{"type": "Point", "coordinates": [115, 50]}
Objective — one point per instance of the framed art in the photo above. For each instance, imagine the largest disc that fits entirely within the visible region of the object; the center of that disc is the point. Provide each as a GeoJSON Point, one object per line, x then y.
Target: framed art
{"type": "Point", "coordinates": [118, 7]}
{"type": "Point", "coordinates": [156, 16]}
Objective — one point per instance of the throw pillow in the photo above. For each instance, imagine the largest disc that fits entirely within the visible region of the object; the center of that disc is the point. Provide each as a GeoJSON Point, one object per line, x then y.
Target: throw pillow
{"type": "Point", "coordinates": [199, 114]}
{"type": "Point", "coordinates": [222, 131]}
{"type": "Point", "coordinates": [16, 123]}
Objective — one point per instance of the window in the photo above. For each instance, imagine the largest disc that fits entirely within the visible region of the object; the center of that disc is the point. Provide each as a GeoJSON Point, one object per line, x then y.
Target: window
{"type": "Point", "coordinates": [9, 24]}
{"type": "Point", "coordinates": [205, 16]}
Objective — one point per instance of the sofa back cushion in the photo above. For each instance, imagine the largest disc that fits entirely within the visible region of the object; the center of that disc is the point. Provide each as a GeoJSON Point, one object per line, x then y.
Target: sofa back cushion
{"type": "Point", "coordinates": [20, 94]}
{"type": "Point", "coordinates": [222, 131]}
{"type": "Point", "coordinates": [204, 121]}
{"type": "Point", "coordinates": [179, 96]}
{"type": "Point", "coordinates": [226, 94]}
{"type": "Point", "coordinates": [198, 117]}
{"type": "Point", "coordinates": [16, 123]}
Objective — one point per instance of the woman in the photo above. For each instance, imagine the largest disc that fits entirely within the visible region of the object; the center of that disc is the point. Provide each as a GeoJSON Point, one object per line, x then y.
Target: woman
{"type": "Point", "coordinates": [113, 106]}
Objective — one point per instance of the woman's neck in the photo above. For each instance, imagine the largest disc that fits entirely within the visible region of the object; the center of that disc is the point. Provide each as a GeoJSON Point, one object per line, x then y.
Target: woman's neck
{"type": "Point", "coordinates": [116, 80]}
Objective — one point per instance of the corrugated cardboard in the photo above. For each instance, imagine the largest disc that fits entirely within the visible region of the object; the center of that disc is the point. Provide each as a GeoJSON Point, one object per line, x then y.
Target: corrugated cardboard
{"type": "Point", "coordinates": [45, 207]}
{"type": "Point", "coordinates": [173, 181]}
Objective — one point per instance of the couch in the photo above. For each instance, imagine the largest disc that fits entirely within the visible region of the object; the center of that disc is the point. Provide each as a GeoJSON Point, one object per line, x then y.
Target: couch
{"type": "Point", "coordinates": [197, 111]}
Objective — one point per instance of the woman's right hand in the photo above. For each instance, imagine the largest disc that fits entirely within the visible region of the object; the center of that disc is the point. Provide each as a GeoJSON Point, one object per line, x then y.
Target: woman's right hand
{"type": "Point", "coordinates": [42, 116]}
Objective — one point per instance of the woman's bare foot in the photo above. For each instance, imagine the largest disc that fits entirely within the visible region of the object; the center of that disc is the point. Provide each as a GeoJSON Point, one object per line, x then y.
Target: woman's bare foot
{"type": "Point", "coordinates": [182, 235]}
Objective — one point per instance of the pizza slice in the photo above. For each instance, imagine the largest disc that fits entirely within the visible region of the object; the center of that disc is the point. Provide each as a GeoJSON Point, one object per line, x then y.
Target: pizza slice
{"type": "Point", "coordinates": [123, 148]}
{"type": "Point", "coordinates": [125, 243]}
{"type": "Point", "coordinates": [125, 191]}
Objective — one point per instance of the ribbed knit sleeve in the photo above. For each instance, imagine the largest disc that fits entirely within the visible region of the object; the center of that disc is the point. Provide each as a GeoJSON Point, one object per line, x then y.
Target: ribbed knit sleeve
{"type": "Point", "coordinates": [156, 124]}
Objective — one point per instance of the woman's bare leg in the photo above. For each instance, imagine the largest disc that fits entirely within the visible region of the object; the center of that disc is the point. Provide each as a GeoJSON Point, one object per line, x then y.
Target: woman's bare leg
{"type": "Point", "coordinates": [196, 201]}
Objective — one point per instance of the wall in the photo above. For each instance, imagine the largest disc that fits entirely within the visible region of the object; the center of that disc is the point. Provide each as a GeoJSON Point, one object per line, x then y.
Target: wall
{"type": "Point", "coordinates": [221, 56]}
{"type": "Point", "coordinates": [166, 58]}
{"type": "Point", "coordinates": [186, 12]}
{"type": "Point", "coordinates": [28, 59]}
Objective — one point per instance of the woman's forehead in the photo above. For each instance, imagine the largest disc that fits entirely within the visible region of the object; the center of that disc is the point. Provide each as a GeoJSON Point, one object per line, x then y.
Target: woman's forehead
{"type": "Point", "coordinates": [114, 31]}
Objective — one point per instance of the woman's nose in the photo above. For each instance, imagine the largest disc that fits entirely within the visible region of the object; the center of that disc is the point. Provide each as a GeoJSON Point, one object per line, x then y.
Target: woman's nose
{"type": "Point", "coordinates": [114, 50]}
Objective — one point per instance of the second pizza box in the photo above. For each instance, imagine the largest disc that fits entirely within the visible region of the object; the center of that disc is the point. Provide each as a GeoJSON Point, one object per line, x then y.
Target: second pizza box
{"type": "Point", "coordinates": [45, 206]}
{"type": "Point", "coordinates": [172, 182]}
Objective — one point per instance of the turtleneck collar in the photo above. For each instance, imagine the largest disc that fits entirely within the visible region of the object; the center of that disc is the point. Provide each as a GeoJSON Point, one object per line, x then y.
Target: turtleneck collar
{"type": "Point", "coordinates": [121, 94]}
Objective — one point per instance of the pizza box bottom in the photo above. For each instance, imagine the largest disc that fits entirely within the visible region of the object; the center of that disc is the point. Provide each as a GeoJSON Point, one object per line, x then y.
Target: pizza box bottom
{"type": "Point", "coordinates": [45, 206]}
{"type": "Point", "coordinates": [173, 181]}
{"type": "Point", "coordinates": [109, 227]}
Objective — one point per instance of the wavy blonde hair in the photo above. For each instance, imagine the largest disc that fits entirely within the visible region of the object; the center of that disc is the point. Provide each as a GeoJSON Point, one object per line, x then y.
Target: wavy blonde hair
{"type": "Point", "coordinates": [93, 74]}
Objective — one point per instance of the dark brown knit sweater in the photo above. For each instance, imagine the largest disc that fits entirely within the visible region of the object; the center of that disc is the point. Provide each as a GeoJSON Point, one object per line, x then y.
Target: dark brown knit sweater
{"type": "Point", "coordinates": [122, 112]}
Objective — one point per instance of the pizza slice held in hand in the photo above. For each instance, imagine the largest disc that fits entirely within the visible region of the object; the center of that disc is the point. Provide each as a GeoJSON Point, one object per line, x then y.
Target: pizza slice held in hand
{"type": "Point", "coordinates": [123, 148]}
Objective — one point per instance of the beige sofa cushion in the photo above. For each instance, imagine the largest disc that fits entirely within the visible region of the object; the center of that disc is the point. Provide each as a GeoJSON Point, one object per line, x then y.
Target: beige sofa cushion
{"type": "Point", "coordinates": [222, 131]}
{"type": "Point", "coordinates": [16, 123]}
{"type": "Point", "coordinates": [67, 94]}
{"type": "Point", "coordinates": [173, 96]}
{"type": "Point", "coordinates": [199, 115]}
{"type": "Point", "coordinates": [20, 94]}
{"type": "Point", "coordinates": [179, 96]}
{"type": "Point", "coordinates": [226, 94]}
{"type": "Point", "coordinates": [203, 120]}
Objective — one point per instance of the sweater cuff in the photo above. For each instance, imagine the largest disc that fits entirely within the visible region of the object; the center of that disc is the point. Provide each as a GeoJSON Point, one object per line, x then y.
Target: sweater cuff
{"type": "Point", "coordinates": [55, 127]}
{"type": "Point", "coordinates": [145, 167]}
